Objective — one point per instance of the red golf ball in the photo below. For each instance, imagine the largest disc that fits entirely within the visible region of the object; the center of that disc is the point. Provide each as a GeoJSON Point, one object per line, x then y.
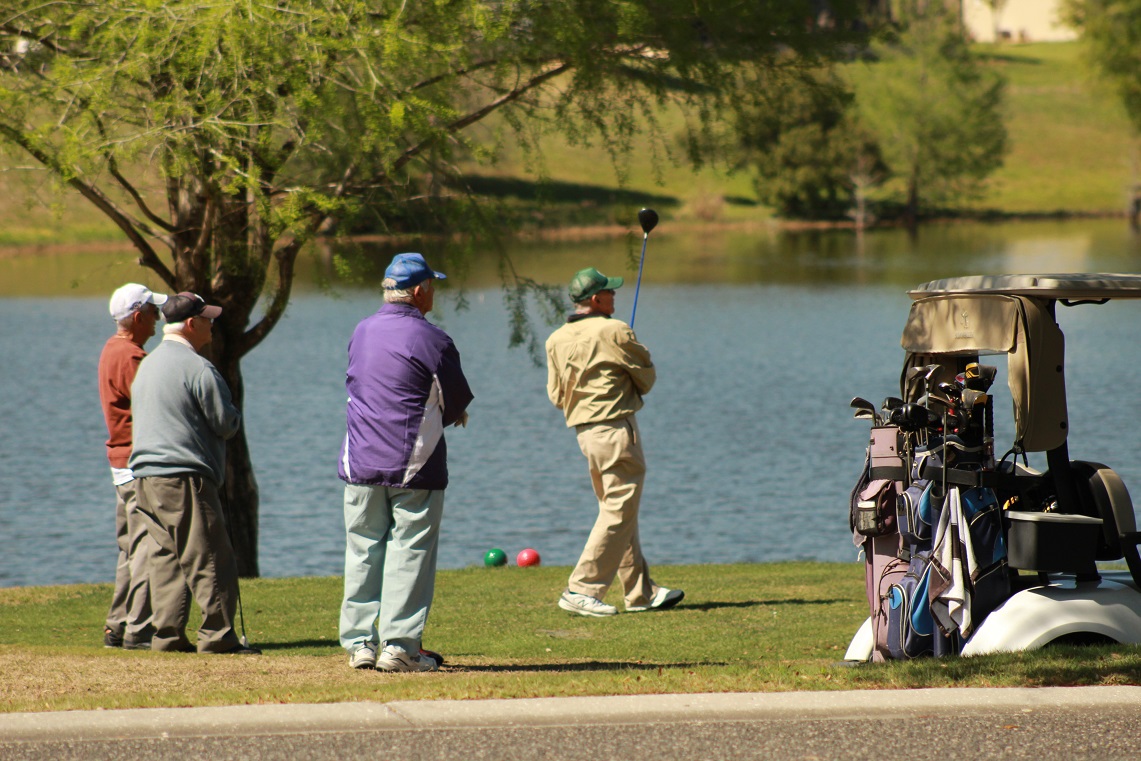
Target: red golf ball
{"type": "Point", "coordinates": [526, 558]}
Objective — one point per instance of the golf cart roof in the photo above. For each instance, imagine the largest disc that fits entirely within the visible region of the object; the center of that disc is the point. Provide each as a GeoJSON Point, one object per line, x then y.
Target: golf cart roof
{"type": "Point", "coordinates": [1066, 286]}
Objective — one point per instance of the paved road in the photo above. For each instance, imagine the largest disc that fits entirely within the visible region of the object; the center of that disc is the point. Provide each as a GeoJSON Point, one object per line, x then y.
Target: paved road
{"type": "Point", "coordinates": [1040, 724]}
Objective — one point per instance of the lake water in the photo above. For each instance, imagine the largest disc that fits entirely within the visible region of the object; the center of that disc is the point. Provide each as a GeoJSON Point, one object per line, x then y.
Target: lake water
{"type": "Point", "coordinates": [760, 341]}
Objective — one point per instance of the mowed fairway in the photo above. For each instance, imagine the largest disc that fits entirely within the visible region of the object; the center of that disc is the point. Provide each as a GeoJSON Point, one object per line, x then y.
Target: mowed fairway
{"type": "Point", "coordinates": [765, 627]}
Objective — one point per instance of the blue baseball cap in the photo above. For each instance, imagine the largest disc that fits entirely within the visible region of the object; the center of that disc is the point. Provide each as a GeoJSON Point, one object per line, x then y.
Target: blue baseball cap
{"type": "Point", "coordinates": [407, 271]}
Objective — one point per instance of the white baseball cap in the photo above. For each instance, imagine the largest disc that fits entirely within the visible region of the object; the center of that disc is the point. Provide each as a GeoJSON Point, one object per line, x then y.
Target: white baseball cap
{"type": "Point", "coordinates": [128, 299]}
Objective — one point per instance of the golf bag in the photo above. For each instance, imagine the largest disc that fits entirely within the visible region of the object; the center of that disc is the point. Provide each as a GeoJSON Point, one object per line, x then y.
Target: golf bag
{"type": "Point", "coordinates": [969, 569]}
{"type": "Point", "coordinates": [911, 628]}
{"type": "Point", "coordinates": [884, 569]}
{"type": "Point", "coordinates": [872, 508]}
{"type": "Point", "coordinates": [915, 515]}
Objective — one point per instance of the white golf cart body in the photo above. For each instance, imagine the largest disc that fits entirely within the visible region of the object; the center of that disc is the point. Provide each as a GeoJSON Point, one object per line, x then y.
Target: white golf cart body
{"type": "Point", "coordinates": [956, 320]}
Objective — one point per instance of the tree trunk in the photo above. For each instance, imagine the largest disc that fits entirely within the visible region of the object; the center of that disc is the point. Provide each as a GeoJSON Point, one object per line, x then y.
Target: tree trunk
{"type": "Point", "coordinates": [912, 213]}
{"type": "Point", "coordinates": [240, 491]}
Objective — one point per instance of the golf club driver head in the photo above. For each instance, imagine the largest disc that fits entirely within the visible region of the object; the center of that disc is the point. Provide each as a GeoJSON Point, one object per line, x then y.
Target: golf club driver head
{"type": "Point", "coordinates": [979, 377]}
{"type": "Point", "coordinates": [971, 397]}
{"type": "Point", "coordinates": [913, 417]}
{"type": "Point", "coordinates": [932, 397]}
{"type": "Point", "coordinates": [648, 219]}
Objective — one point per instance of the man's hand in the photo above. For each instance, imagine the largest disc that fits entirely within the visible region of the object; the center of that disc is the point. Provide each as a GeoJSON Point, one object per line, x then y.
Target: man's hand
{"type": "Point", "coordinates": [462, 422]}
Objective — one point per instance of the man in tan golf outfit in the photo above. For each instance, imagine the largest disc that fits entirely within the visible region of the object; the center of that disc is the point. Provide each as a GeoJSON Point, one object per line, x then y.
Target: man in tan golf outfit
{"type": "Point", "coordinates": [597, 373]}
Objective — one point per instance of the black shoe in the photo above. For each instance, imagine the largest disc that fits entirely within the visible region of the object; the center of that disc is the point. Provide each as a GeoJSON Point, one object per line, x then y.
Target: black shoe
{"type": "Point", "coordinates": [130, 644]}
{"type": "Point", "coordinates": [184, 647]}
{"type": "Point", "coordinates": [239, 650]}
{"type": "Point", "coordinates": [111, 638]}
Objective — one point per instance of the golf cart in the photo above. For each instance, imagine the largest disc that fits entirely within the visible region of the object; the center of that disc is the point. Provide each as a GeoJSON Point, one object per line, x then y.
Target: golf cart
{"type": "Point", "coordinates": [968, 554]}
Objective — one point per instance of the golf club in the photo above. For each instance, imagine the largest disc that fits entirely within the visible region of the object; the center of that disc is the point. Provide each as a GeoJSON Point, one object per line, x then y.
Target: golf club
{"type": "Point", "coordinates": [648, 218]}
{"type": "Point", "coordinates": [860, 404]}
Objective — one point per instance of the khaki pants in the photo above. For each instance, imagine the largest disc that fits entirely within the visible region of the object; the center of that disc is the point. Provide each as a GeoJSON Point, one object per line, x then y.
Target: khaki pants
{"type": "Point", "coordinates": [183, 514]}
{"type": "Point", "coordinates": [130, 612]}
{"type": "Point", "coordinates": [617, 470]}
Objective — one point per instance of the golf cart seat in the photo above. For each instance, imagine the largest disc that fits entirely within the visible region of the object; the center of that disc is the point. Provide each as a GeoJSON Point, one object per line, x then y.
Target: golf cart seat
{"type": "Point", "coordinates": [1110, 502]}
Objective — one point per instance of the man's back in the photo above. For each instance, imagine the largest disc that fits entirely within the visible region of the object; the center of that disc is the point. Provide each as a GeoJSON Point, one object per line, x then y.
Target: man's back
{"type": "Point", "coordinates": [183, 414]}
{"type": "Point", "coordinates": [597, 370]}
{"type": "Point", "coordinates": [118, 363]}
{"type": "Point", "coordinates": [405, 385]}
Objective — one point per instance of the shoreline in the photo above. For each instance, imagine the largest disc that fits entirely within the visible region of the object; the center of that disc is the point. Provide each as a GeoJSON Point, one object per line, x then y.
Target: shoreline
{"type": "Point", "coordinates": [609, 231]}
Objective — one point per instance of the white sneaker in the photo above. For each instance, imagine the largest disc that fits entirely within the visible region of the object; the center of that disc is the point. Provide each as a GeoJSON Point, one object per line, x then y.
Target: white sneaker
{"type": "Point", "coordinates": [363, 657]}
{"type": "Point", "coordinates": [585, 605]}
{"type": "Point", "coordinates": [664, 599]}
{"type": "Point", "coordinates": [394, 659]}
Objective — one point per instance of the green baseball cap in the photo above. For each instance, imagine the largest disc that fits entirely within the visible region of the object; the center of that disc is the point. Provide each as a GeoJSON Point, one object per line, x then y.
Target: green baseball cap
{"type": "Point", "coordinates": [590, 281]}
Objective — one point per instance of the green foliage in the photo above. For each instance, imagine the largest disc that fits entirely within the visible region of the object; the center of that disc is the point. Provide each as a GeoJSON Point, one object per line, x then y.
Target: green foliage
{"type": "Point", "coordinates": [261, 125]}
{"type": "Point", "coordinates": [1111, 33]}
{"type": "Point", "coordinates": [799, 131]}
{"type": "Point", "coordinates": [935, 110]}
{"type": "Point", "coordinates": [230, 132]}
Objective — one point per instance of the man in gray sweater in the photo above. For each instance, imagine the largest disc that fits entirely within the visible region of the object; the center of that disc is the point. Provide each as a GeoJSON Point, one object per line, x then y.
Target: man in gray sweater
{"type": "Point", "coordinates": [183, 415]}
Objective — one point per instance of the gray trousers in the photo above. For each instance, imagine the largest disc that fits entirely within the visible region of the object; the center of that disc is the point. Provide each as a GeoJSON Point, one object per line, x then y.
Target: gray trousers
{"type": "Point", "coordinates": [193, 556]}
{"type": "Point", "coordinates": [390, 564]}
{"type": "Point", "coordinates": [130, 612]}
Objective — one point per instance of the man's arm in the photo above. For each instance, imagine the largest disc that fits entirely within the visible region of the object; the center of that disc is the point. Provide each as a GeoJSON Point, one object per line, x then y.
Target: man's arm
{"type": "Point", "coordinates": [636, 359]}
{"type": "Point", "coordinates": [554, 379]}
{"type": "Point", "coordinates": [216, 403]}
{"type": "Point", "coordinates": [454, 385]}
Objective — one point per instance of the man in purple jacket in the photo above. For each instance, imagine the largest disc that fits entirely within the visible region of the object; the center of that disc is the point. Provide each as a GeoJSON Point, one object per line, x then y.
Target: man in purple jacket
{"type": "Point", "coordinates": [405, 385]}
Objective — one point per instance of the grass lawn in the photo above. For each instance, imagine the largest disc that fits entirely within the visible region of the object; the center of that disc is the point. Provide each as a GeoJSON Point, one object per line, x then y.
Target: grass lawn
{"type": "Point", "coordinates": [1071, 145]}
{"type": "Point", "coordinates": [742, 627]}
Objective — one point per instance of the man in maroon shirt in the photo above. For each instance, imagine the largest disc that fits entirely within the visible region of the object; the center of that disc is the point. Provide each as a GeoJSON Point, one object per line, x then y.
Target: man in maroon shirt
{"type": "Point", "coordinates": [135, 310]}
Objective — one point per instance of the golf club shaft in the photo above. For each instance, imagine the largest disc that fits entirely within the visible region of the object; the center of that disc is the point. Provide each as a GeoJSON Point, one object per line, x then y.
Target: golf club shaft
{"type": "Point", "coordinates": [638, 285]}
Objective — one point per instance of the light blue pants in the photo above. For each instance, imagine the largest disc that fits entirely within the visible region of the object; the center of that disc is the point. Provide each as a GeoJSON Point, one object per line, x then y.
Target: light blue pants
{"type": "Point", "coordinates": [390, 564]}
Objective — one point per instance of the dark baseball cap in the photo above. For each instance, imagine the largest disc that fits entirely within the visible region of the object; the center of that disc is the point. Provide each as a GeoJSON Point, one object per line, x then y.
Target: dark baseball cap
{"type": "Point", "coordinates": [183, 306]}
{"type": "Point", "coordinates": [408, 270]}
{"type": "Point", "coordinates": [590, 281]}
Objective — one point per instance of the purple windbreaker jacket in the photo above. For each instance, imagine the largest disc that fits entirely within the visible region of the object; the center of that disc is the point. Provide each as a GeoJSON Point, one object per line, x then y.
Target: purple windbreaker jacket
{"type": "Point", "coordinates": [405, 385]}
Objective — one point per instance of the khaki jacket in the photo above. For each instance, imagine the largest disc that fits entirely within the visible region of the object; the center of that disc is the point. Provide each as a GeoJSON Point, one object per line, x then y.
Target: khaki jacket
{"type": "Point", "coordinates": [597, 370]}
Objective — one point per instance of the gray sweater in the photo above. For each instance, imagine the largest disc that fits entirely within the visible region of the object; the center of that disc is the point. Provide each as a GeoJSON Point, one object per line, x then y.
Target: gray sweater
{"type": "Point", "coordinates": [183, 415]}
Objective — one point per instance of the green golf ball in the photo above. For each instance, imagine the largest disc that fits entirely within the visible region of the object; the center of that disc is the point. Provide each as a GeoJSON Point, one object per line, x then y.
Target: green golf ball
{"type": "Point", "coordinates": [494, 558]}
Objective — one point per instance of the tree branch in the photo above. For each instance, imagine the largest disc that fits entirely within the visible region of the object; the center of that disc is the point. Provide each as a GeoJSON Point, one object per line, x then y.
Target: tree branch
{"type": "Point", "coordinates": [450, 74]}
{"type": "Point", "coordinates": [134, 230]}
{"type": "Point", "coordinates": [205, 232]}
{"type": "Point", "coordinates": [286, 257]}
{"type": "Point", "coordinates": [480, 113]}
{"type": "Point", "coordinates": [113, 168]}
